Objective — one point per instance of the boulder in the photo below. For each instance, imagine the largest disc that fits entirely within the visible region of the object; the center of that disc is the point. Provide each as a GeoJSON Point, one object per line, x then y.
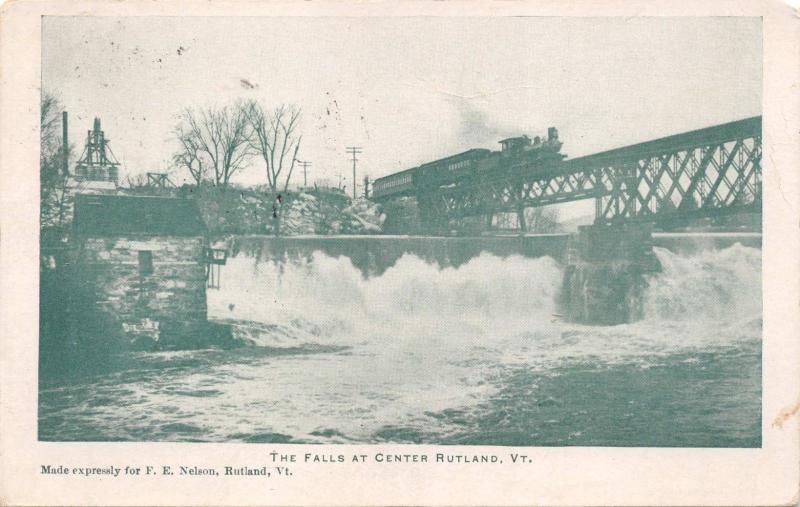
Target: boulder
{"type": "Point", "coordinates": [363, 216]}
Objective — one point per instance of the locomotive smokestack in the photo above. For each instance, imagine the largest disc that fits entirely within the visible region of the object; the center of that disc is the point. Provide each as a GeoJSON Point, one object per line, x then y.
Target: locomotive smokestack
{"type": "Point", "coordinates": [65, 144]}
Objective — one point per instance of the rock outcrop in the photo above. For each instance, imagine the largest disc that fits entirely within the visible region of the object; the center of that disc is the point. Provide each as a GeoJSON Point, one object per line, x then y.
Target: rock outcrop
{"type": "Point", "coordinates": [307, 214]}
{"type": "Point", "coordinates": [300, 217]}
{"type": "Point", "coordinates": [362, 217]}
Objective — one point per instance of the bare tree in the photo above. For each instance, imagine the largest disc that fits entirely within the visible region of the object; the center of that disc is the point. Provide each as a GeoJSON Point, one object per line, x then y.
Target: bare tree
{"type": "Point", "coordinates": [136, 181]}
{"type": "Point", "coordinates": [49, 110]}
{"type": "Point", "coordinates": [216, 136]}
{"type": "Point", "coordinates": [542, 220]}
{"type": "Point", "coordinates": [53, 192]}
{"type": "Point", "coordinates": [190, 156]}
{"type": "Point", "coordinates": [274, 138]}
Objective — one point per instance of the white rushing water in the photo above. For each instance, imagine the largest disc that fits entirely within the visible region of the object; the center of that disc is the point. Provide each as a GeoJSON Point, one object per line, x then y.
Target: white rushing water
{"type": "Point", "coordinates": [439, 354]}
{"type": "Point", "coordinates": [421, 338]}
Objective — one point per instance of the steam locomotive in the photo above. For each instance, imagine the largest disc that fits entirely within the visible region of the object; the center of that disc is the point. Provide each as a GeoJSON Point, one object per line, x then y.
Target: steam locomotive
{"type": "Point", "coordinates": [515, 151]}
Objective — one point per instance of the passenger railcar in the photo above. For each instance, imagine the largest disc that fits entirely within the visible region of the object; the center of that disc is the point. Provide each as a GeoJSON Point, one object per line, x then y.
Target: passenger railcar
{"type": "Point", "coordinates": [394, 184]}
{"type": "Point", "coordinates": [516, 151]}
{"type": "Point", "coordinates": [448, 169]}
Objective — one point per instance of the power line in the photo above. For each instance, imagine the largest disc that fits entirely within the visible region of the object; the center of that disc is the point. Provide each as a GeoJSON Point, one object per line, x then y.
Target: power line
{"type": "Point", "coordinates": [354, 150]}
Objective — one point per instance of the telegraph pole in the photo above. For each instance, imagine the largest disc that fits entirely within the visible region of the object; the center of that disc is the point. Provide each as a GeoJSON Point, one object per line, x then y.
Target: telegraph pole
{"type": "Point", "coordinates": [366, 186]}
{"type": "Point", "coordinates": [305, 166]}
{"type": "Point", "coordinates": [354, 150]}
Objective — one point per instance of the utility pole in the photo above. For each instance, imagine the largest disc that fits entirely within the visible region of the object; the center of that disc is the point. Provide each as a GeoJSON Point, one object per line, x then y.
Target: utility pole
{"type": "Point", "coordinates": [354, 150]}
{"type": "Point", "coordinates": [64, 145]}
{"type": "Point", "coordinates": [305, 166]}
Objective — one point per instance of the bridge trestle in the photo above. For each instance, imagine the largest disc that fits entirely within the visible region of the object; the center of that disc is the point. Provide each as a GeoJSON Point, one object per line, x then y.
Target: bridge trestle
{"type": "Point", "coordinates": [707, 172]}
{"type": "Point", "coordinates": [695, 182]}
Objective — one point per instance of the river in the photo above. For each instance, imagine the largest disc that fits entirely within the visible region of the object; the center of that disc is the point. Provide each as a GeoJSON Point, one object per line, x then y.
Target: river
{"type": "Point", "coordinates": [420, 353]}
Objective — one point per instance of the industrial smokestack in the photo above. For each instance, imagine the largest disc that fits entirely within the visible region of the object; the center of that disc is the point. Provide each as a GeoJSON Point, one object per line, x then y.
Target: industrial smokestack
{"type": "Point", "coordinates": [97, 124]}
{"type": "Point", "coordinates": [65, 144]}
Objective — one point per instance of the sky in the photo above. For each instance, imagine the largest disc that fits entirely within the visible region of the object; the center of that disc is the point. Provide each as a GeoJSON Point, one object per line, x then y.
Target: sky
{"type": "Point", "coordinates": [407, 90]}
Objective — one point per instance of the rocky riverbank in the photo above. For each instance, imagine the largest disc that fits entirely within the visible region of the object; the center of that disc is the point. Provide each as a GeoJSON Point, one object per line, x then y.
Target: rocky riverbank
{"type": "Point", "coordinates": [309, 214]}
{"type": "Point", "coordinates": [250, 211]}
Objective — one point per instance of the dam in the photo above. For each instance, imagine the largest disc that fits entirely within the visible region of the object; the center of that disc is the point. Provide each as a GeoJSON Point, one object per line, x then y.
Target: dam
{"type": "Point", "coordinates": [488, 276]}
{"type": "Point", "coordinates": [372, 255]}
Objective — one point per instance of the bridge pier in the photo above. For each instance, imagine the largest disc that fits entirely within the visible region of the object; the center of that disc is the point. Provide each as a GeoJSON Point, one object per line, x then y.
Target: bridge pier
{"type": "Point", "coordinates": [604, 280]}
{"type": "Point", "coordinates": [523, 227]}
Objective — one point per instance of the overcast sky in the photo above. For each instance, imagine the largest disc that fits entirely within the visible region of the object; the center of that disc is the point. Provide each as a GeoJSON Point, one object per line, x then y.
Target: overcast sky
{"type": "Point", "coordinates": [408, 90]}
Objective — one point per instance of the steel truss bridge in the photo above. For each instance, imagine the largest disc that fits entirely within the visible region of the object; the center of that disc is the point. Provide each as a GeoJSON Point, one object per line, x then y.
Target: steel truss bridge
{"type": "Point", "coordinates": [702, 173]}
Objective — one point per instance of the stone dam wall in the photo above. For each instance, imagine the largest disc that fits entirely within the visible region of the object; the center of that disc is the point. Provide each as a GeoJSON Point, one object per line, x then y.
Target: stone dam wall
{"type": "Point", "coordinates": [605, 267]}
{"type": "Point", "coordinates": [375, 254]}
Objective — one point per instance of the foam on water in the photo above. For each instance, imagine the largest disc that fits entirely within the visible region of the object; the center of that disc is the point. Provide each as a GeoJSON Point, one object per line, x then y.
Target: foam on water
{"type": "Point", "coordinates": [713, 285]}
{"type": "Point", "coordinates": [410, 296]}
{"type": "Point", "coordinates": [482, 303]}
{"type": "Point", "coordinates": [422, 338]}
{"type": "Point", "coordinates": [433, 350]}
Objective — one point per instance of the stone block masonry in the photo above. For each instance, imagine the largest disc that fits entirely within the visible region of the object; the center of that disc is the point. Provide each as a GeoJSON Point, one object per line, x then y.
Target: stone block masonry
{"type": "Point", "coordinates": [604, 279]}
{"type": "Point", "coordinates": [132, 285]}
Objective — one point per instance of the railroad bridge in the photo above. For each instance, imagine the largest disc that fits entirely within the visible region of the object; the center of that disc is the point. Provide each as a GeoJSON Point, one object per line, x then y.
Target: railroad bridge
{"type": "Point", "coordinates": [702, 173]}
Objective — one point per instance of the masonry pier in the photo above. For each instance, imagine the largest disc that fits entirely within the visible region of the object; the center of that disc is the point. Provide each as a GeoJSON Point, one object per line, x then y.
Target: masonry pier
{"type": "Point", "coordinates": [604, 279]}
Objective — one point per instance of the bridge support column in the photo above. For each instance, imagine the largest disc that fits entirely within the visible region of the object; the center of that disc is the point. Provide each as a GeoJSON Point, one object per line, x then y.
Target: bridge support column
{"type": "Point", "coordinates": [523, 227]}
{"type": "Point", "coordinates": [604, 280]}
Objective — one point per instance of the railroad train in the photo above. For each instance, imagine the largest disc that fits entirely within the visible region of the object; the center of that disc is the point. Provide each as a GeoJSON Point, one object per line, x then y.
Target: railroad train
{"type": "Point", "coordinates": [469, 164]}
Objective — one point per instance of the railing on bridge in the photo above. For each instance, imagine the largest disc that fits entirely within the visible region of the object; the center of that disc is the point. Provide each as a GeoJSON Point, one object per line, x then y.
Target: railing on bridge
{"type": "Point", "coordinates": [705, 172]}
